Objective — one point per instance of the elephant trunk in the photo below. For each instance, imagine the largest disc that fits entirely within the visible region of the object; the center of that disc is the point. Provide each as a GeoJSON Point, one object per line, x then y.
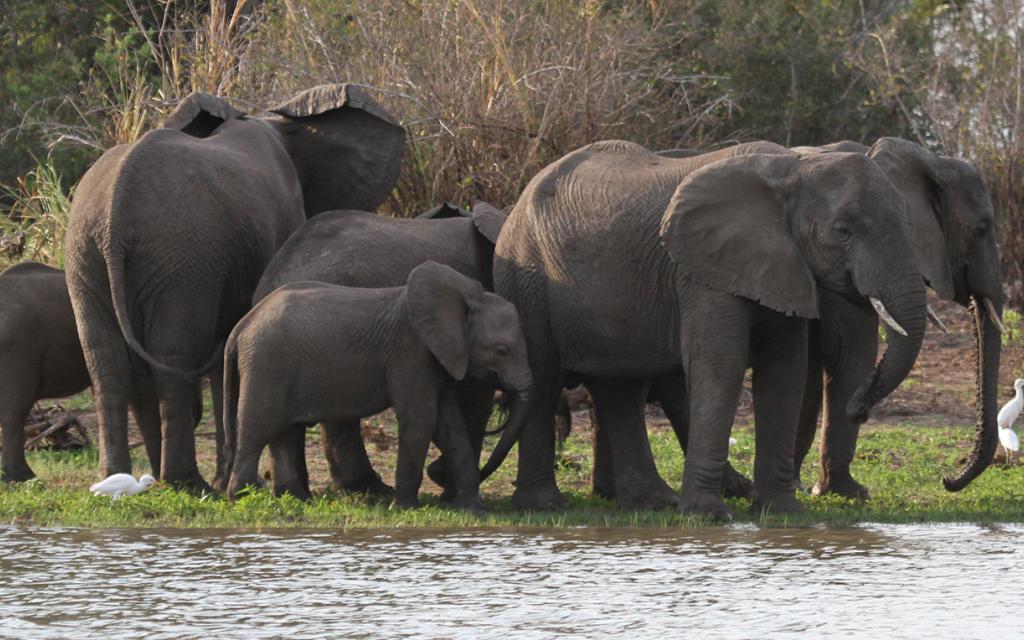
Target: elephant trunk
{"type": "Point", "coordinates": [510, 434]}
{"type": "Point", "coordinates": [986, 371]}
{"type": "Point", "coordinates": [904, 301]}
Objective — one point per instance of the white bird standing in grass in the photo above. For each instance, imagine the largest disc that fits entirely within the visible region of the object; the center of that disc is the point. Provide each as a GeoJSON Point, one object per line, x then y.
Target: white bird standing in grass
{"type": "Point", "coordinates": [1008, 414]}
{"type": "Point", "coordinates": [122, 484]}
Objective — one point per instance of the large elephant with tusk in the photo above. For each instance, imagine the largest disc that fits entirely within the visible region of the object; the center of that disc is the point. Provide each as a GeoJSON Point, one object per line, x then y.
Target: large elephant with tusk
{"type": "Point", "coordinates": [629, 266]}
{"type": "Point", "coordinates": [953, 234]}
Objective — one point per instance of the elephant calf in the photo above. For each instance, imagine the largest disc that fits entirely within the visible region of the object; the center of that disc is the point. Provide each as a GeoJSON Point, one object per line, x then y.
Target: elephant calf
{"type": "Point", "coordinates": [312, 352]}
{"type": "Point", "coordinates": [40, 356]}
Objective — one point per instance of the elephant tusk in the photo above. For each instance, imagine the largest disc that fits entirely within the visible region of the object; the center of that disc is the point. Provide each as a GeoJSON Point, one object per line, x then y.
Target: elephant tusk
{"type": "Point", "coordinates": [934, 317]}
{"type": "Point", "coordinates": [884, 315]}
{"type": "Point", "coordinates": [990, 309]}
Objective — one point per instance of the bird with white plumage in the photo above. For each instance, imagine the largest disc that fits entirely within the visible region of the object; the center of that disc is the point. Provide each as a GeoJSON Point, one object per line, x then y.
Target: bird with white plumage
{"type": "Point", "coordinates": [122, 484]}
{"type": "Point", "coordinates": [1008, 415]}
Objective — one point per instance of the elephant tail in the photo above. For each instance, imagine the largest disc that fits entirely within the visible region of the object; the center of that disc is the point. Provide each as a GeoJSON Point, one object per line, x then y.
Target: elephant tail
{"type": "Point", "coordinates": [231, 391]}
{"type": "Point", "coordinates": [115, 273]}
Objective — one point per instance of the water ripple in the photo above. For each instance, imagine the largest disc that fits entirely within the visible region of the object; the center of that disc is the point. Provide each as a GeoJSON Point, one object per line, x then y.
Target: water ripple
{"type": "Point", "coordinates": [729, 582]}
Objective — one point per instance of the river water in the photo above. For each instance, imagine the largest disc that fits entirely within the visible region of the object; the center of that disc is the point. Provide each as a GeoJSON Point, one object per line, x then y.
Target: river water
{"type": "Point", "coordinates": [879, 581]}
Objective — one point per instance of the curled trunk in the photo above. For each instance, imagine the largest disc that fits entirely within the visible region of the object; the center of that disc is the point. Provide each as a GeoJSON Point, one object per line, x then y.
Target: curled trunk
{"type": "Point", "coordinates": [905, 302]}
{"type": "Point", "coordinates": [986, 372]}
{"type": "Point", "coordinates": [509, 434]}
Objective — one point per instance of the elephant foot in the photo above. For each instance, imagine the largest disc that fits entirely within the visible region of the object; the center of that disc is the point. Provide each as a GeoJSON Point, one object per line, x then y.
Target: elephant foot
{"type": "Point", "coordinates": [439, 474]}
{"type": "Point", "coordinates": [220, 483]}
{"type": "Point", "coordinates": [18, 474]}
{"type": "Point", "coordinates": [735, 484]}
{"type": "Point", "coordinates": [193, 484]}
{"type": "Point", "coordinates": [406, 502]}
{"type": "Point", "coordinates": [543, 496]}
{"type": "Point", "coordinates": [705, 505]}
{"type": "Point", "coordinates": [371, 485]}
{"type": "Point", "coordinates": [469, 502]}
{"type": "Point", "coordinates": [295, 489]}
{"type": "Point", "coordinates": [843, 486]}
{"type": "Point", "coordinates": [781, 503]}
{"type": "Point", "coordinates": [654, 494]}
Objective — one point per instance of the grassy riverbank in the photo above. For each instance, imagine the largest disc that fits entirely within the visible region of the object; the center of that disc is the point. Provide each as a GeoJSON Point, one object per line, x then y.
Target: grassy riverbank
{"type": "Point", "coordinates": [900, 463]}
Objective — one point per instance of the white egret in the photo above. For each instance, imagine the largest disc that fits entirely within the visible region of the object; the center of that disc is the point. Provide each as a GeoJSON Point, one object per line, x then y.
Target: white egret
{"type": "Point", "coordinates": [122, 484]}
{"type": "Point", "coordinates": [1008, 415]}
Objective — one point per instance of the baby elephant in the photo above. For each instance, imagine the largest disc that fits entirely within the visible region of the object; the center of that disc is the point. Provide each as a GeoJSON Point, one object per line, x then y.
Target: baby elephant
{"type": "Point", "coordinates": [312, 352]}
{"type": "Point", "coordinates": [40, 356]}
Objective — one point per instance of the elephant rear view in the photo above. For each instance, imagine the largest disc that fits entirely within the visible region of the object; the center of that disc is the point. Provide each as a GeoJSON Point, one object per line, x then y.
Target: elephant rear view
{"type": "Point", "coordinates": [169, 236]}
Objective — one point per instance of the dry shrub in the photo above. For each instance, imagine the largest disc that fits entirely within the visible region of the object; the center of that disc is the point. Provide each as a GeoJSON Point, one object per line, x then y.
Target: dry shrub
{"type": "Point", "coordinates": [489, 91]}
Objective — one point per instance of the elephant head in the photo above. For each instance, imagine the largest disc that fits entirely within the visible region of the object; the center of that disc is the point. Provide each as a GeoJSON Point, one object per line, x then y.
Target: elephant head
{"type": "Point", "coordinates": [772, 228]}
{"type": "Point", "coordinates": [345, 148]}
{"type": "Point", "coordinates": [953, 233]}
{"type": "Point", "coordinates": [472, 332]}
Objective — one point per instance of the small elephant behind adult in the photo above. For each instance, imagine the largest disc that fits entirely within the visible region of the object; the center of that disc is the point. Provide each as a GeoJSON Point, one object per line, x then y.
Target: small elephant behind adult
{"type": "Point", "coordinates": [313, 352]}
{"type": "Point", "coordinates": [362, 249]}
{"type": "Point", "coordinates": [40, 356]}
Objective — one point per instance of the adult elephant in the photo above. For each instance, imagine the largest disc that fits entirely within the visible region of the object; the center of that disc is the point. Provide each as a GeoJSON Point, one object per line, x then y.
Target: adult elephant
{"type": "Point", "coordinates": [360, 249]}
{"type": "Point", "coordinates": [953, 233]}
{"type": "Point", "coordinates": [169, 236]}
{"type": "Point", "coordinates": [609, 295]}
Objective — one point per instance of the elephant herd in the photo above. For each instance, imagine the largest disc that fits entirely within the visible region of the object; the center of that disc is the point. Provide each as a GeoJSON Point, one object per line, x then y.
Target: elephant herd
{"type": "Point", "coordinates": [244, 249]}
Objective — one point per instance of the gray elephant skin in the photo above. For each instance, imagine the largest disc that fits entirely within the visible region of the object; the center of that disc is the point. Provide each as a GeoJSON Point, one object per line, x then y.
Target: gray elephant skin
{"type": "Point", "coordinates": [169, 236]}
{"type": "Point", "coordinates": [348, 353]}
{"type": "Point", "coordinates": [953, 233]}
{"type": "Point", "coordinates": [40, 356]}
{"type": "Point", "coordinates": [627, 266]}
{"type": "Point", "coordinates": [361, 249]}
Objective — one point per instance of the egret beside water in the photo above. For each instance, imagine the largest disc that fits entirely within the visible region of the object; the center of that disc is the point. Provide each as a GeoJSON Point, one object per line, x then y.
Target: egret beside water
{"type": "Point", "coordinates": [1008, 415]}
{"type": "Point", "coordinates": [122, 484]}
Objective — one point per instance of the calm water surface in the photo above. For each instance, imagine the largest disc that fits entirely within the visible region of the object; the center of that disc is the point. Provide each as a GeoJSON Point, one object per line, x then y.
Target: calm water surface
{"type": "Point", "coordinates": [947, 581]}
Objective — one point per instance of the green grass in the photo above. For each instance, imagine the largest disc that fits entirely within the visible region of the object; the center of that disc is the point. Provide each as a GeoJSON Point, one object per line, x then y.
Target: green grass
{"type": "Point", "coordinates": [900, 464]}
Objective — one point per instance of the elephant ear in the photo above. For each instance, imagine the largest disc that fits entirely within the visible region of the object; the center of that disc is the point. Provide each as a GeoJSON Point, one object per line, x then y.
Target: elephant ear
{"type": "Point", "coordinates": [346, 148]}
{"type": "Point", "coordinates": [725, 228]}
{"type": "Point", "coordinates": [919, 176]}
{"type": "Point", "coordinates": [438, 300]}
{"type": "Point", "coordinates": [444, 210]}
{"type": "Point", "coordinates": [488, 220]}
{"type": "Point", "coordinates": [199, 115]}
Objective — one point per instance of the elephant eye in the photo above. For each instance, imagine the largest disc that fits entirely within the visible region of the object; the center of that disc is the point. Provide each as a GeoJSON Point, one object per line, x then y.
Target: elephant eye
{"type": "Point", "coordinates": [842, 231]}
{"type": "Point", "coordinates": [981, 230]}
{"type": "Point", "coordinates": [502, 351]}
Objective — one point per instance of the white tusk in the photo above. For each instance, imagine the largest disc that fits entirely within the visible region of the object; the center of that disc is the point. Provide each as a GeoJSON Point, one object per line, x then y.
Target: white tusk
{"type": "Point", "coordinates": [884, 315]}
{"type": "Point", "coordinates": [934, 317]}
{"type": "Point", "coordinates": [991, 310]}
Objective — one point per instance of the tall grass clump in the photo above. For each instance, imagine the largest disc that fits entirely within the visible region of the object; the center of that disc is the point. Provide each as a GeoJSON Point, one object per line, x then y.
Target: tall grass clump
{"type": "Point", "coordinates": [33, 228]}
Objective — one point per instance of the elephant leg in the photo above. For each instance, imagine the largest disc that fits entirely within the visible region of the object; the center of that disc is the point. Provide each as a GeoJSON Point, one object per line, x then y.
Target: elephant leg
{"type": "Point", "coordinates": [602, 476]}
{"type": "Point", "coordinates": [216, 377]}
{"type": "Point", "coordinates": [178, 418]}
{"type": "Point", "coordinates": [287, 476]}
{"type": "Point", "coordinates": [811, 406]}
{"type": "Point", "coordinates": [715, 351]}
{"type": "Point", "coordinates": [106, 357]}
{"type": "Point", "coordinates": [849, 350]}
{"type": "Point", "coordinates": [536, 489]}
{"type": "Point", "coordinates": [416, 424]}
{"type": "Point", "coordinates": [476, 399]}
{"type": "Point", "coordinates": [619, 405]}
{"type": "Point", "coordinates": [15, 404]}
{"type": "Point", "coordinates": [671, 394]}
{"type": "Point", "coordinates": [454, 442]}
{"type": "Point", "coordinates": [349, 464]}
{"type": "Point", "coordinates": [145, 406]}
{"type": "Point", "coordinates": [780, 370]}
{"type": "Point", "coordinates": [563, 422]}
